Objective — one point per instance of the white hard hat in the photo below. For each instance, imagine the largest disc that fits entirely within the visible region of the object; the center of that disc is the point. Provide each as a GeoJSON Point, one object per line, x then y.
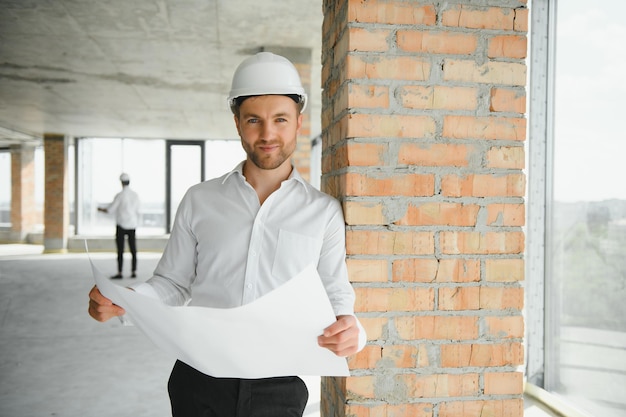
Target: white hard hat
{"type": "Point", "coordinates": [124, 177]}
{"type": "Point", "coordinates": [263, 74]}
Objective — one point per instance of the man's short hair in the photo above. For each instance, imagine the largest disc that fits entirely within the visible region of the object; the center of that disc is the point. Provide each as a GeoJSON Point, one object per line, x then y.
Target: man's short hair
{"type": "Point", "coordinates": [237, 102]}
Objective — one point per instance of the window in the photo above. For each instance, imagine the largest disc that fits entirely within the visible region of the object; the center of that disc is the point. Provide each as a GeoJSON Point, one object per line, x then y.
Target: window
{"type": "Point", "coordinates": [101, 161]}
{"type": "Point", "coordinates": [5, 187]}
{"type": "Point", "coordinates": [588, 233]}
{"type": "Point", "coordinates": [577, 348]}
{"type": "Point", "coordinates": [222, 156]}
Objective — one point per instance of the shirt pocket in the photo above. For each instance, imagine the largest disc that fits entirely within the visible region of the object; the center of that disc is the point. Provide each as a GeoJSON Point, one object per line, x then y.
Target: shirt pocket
{"type": "Point", "coordinates": [294, 252]}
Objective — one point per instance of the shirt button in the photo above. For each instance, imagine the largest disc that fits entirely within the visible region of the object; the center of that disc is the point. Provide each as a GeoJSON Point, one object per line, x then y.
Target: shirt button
{"type": "Point", "coordinates": [249, 286]}
{"type": "Point", "coordinates": [253, 253]}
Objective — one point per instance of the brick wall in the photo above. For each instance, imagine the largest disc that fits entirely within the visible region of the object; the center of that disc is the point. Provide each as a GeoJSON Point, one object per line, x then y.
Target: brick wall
{"type": "Point", "coordinates": [56, 199]}
{"type": "Point", "coordinates": [423, 142]}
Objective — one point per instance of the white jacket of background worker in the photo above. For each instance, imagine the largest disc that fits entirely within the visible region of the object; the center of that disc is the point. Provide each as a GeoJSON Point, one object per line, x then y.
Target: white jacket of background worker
{"type": "Point", "coordinates": [125, 207]}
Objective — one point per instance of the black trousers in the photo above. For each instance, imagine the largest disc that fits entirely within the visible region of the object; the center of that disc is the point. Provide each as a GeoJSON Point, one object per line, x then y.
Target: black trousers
{"type": "Point", "coordinates": [194, 394]}
{"type": "Point", "coordinates": [120, 233]}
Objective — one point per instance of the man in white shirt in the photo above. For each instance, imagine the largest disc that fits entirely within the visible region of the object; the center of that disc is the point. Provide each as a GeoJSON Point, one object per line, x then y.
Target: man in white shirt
{"type": "Point", "coordinates": [125, 206]}
{"type": "Point", "coordinates": [238, 237]}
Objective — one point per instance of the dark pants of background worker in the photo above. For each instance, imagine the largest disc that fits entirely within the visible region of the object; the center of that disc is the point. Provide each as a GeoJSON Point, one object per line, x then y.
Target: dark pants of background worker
{"type": "Point", "coordinates": [120, 232]}
{"type": "Point", "coordinates": [194, 394]}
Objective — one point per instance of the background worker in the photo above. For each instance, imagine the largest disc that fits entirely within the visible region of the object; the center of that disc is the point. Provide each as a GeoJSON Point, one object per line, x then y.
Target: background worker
{"type": "Point", "coordinates": [238, 237]}
{"type": "Point", "coordinates": [125, 207]}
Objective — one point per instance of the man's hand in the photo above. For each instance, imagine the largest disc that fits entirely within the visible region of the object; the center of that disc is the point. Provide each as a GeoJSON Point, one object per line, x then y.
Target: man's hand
{"type": "Point", "coordinates": [101, 308]}
{"type": "Point", "coordinates": [341, 337]}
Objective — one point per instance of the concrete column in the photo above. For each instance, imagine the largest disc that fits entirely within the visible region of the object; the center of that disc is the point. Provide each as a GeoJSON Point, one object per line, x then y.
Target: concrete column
{"type": "Point", "coordinates": [56, 206]}
{"type": "Point", "coordinates": [24, 215]}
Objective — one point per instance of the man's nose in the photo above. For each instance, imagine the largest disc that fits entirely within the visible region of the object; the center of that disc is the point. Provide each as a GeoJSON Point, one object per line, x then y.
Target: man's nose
{"type": "Point", "coordinates": [267, 131]}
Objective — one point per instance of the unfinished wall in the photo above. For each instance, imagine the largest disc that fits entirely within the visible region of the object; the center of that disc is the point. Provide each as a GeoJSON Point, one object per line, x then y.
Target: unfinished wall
{"type": "Point", "coordinates": [56, 197]}
{"type": "Point", "coordinates": [423, 142]}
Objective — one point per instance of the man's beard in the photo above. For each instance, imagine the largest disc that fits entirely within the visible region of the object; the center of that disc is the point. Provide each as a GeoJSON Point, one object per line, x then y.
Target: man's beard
{"type": "Point", "coordinates": [268, 162]}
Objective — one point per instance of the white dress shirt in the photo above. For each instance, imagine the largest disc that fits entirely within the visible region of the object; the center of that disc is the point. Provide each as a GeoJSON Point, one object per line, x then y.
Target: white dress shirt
{"type": "Point", "coordinates": [226, 250]}
{"type": "Point", "coordinates": [125, 206]}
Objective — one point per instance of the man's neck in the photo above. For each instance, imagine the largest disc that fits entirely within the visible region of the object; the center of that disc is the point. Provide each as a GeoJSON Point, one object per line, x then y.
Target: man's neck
{"type": "Point", "coordinates": [266, 181]}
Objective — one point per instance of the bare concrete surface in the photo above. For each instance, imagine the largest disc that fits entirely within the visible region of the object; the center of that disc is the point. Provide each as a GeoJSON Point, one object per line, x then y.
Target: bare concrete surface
{"type": "Point", "coordinates": [57, 361]}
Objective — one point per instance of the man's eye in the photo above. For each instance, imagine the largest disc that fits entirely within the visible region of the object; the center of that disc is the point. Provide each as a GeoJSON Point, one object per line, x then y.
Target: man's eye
{"type": "Point", "coordinates": [253, 120]}
{"type": "Point", "coordinates": [281, 120]}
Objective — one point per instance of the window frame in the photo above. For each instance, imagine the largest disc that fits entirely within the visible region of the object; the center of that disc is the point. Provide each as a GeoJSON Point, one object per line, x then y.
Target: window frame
{"type": "Point", "coordinates": [541, 348]}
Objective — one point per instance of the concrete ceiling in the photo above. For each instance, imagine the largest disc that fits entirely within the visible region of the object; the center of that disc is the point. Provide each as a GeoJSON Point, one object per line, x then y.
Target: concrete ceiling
{"type": "Point", "coordinates": [140, 68]}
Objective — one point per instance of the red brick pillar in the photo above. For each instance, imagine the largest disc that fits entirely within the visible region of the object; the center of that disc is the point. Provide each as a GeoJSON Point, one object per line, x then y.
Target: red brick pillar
{"type": "Point", "coordinates": [23, 211]}
{"type": "Point", "coordinates": [56, 205]}
{"type": "Point", "coordinates": [423, 142]}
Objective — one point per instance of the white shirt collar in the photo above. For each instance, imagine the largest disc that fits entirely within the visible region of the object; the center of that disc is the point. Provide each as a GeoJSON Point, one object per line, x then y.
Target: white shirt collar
{"type": "Point", "coordinates": [295, 175]}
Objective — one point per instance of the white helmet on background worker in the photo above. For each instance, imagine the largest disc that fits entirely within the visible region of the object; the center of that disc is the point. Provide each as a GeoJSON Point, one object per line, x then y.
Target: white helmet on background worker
{"type": "Point", "coordinates": [124, 177]}
{"type": "Point", "coordinates": [265, 74]}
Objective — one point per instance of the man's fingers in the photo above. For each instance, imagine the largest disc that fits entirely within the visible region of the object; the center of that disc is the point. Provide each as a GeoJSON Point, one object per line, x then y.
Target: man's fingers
{"type": "Point", "coordinates": [341, 337]}
{"type": "Point", "coordinates": [104, 313]}
{"type": "Point", "coordinates": [346, 336]}
{"type": "Point", "coordinates": [96, 296]}
{"type": "Point", "coordinates": [341, 345]}
{"type": "Point", "coordinates": [101, 308]}
{"type": "Point", "coordinates": [342, 324]}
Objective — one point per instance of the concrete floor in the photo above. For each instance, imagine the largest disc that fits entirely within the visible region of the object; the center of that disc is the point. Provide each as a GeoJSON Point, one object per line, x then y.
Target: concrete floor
{"type": "Point", "coordinates": [56, 361]}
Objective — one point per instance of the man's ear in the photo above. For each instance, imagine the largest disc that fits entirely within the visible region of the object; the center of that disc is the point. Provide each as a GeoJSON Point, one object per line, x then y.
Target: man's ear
{"type": "Point", "coordinates": [237, 124]}
{"type": "Point", "coordinates": [299, 123]}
